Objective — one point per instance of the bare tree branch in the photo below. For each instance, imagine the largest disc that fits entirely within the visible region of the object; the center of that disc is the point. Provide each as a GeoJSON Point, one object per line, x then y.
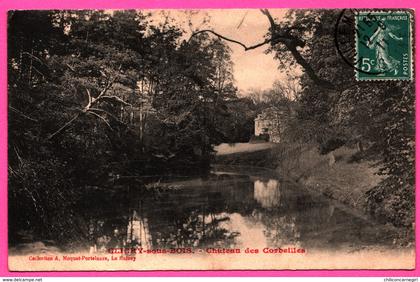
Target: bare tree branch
{"type": "Point", "coordinates": [308, 68]}
{"type": "Point", "coordinates": [22, 114]}
{"type": "Point", "coordinates": [89, 99]}
{"type": "Point", "coordinates": [246, 48]}
{"type": "Point", "coordinates": [39, 72]}
{"type": "Point", "coordinates": [270, 18]}
{"type": "Point", "coordinates": [67, 124]}
{"type": "Point", "coordinates": [279, 35]}
{"type": "Point", "coordinates": [34, 57]}
{"type": "Point", "coordinates": [114, 117]}
{"type": "Point", "coordinates": [107, 87]}
{"type": "Point", "coordinates": [71, 68]}
{"type": "Point", "coordinates": [117, 99]}
{"type": "Point", "coordinates": [102, 118]}
{"type": "Point", "coordinates": [108, 113]}
{"type": "Point", "coordinates": [292, 42]}
{"type": "Point", "coordinates": [87, 107]}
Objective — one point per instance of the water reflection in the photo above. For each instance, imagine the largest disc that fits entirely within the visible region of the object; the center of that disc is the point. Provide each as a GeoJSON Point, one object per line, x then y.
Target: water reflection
{"type": "Point", "coordinates": [138, 234]}
{"type": "Point", "coordinates": [267, 193]}
{"type": "Point", "coordinates": [226, 210]}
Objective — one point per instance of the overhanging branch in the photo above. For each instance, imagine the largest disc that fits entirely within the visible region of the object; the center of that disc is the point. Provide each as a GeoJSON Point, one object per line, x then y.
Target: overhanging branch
{"type": "Point", "coordinates": [91, 102]}
{"type": "Point", "coordinates": [246, 48]}
{"type": "Point", "coordinates": [283, 36]}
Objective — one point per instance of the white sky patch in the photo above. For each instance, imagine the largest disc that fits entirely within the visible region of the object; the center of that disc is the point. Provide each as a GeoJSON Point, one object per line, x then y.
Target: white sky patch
{"type": "Point", "coordinates": [252, 69]}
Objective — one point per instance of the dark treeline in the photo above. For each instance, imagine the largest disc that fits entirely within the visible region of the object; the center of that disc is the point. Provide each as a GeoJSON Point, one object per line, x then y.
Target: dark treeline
{"type": "Point", "coordinates": [94, 94]}
{"type": "Point", "coordinates": [377, 117]}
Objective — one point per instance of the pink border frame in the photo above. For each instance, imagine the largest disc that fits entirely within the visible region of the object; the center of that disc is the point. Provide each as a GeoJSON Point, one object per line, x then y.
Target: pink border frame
{"type": "Point", "coordinates": [6, 5]}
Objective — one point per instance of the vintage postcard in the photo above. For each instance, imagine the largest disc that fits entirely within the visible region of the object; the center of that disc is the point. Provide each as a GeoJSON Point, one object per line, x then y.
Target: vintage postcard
{"type": "Point", "coordinates": [211, 139]}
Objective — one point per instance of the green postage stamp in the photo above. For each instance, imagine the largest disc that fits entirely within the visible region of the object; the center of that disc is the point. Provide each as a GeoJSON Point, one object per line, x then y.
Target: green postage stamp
{"type": "Point", "coordinates": [383, 45]}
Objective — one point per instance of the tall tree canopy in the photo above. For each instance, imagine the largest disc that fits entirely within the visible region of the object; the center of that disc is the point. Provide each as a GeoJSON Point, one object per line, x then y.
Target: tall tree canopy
{"type": "Point", "coordinates": [94, 93]}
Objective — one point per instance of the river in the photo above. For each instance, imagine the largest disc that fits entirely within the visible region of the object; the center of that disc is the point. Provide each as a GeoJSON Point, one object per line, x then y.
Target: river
{"type": "Point", "coordinates": [232, 207]}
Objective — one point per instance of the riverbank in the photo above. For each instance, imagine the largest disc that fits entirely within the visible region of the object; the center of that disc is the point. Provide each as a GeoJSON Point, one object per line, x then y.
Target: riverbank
{"type": "Point", "coordinates": [334, 175]}
{"type": "Point", "coordinates": [337, 175]}
{"type": "Point", "coordinates": [235, 148]}
{"type": "Point", "coordinates": [246, 154]}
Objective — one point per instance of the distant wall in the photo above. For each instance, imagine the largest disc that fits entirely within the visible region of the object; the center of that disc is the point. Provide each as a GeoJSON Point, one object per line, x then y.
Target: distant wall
{"type": "Point", "coordinates": [267, 127]}
{"type": "Point", "coordinates": [261, 126]}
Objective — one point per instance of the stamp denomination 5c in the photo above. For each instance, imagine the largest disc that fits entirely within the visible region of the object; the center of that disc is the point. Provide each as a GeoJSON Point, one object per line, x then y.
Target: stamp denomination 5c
{"type": "Point", "coordinates": [383, 45]}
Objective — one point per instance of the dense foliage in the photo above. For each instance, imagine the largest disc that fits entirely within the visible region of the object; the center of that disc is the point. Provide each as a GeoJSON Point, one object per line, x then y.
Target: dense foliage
{"type": "Point", "coordinates": [94, 94]}
{"type": "Point", "coordinates": [376, 116]}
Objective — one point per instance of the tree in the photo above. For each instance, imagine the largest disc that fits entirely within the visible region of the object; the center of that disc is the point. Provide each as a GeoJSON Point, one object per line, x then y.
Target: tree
{"type": "Point", "coordinates": [76, 80]}
{"type": "Point", "coordinates": [287, 39]}
{"type": "Point", "coordinates": [378, 116]}
{"type": "Point", "coordinates": [333, 107]}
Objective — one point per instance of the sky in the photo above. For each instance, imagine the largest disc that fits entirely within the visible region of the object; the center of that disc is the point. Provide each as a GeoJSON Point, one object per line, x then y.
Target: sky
{"type": "Point", "coordinates": [252, 69]}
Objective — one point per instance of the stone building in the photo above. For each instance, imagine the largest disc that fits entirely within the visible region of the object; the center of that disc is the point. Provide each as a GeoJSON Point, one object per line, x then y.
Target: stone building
{"type": "Point", "coordinates": [271, 123]}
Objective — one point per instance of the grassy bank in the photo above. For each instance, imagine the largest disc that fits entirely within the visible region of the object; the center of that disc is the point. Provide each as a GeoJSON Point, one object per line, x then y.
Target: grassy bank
{"type": "Point", "coordinates": [335, 175]}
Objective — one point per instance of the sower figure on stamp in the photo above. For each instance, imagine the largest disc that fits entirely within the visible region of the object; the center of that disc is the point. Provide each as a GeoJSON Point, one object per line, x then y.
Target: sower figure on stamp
{"type": "Point", "coordinates": [380, 41]}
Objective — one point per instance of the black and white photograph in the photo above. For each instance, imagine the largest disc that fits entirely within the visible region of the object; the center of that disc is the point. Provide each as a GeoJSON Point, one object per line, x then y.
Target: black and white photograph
{"type": "Point", "coordinates": [212, 139]}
